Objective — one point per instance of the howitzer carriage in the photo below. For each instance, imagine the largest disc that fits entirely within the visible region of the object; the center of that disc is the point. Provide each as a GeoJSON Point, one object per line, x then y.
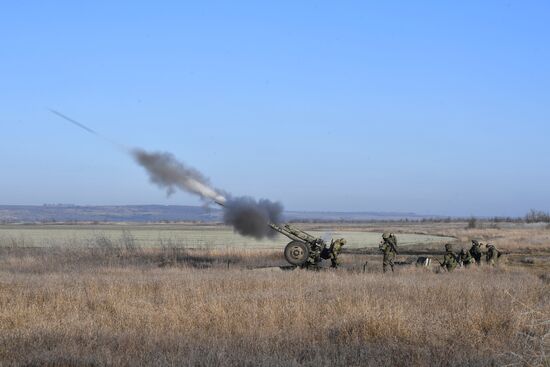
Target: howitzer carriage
{"type": "Point", "coordinates": [304, 250]}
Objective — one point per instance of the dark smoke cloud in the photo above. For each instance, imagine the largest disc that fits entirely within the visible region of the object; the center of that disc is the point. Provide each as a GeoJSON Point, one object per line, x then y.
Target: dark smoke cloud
{"type": "Point", "coordinates": [250, 217]}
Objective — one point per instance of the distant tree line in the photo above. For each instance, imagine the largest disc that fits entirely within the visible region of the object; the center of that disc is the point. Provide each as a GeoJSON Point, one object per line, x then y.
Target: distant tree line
{"type": "Point", "coordinates": [537, 216]}
{"type": "Point", "coordinates": [534, 216]}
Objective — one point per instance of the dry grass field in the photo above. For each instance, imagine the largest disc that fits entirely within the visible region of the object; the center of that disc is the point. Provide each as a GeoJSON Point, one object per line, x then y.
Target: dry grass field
{"type": "Point", "coordinates": [122, 304]}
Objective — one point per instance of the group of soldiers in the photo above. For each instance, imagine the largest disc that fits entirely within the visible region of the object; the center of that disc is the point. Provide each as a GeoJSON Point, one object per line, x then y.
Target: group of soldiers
{"type": "Point", "coordinates": [467, 258]}
{"type": "Point", "coordinates": [451, 260]}
{"type": "Point", "coordinates": [388, 247]}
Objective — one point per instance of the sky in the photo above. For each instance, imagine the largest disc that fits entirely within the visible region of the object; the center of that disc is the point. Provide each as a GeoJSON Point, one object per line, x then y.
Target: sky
{"type": "Point", "coordinates": [433, 107]}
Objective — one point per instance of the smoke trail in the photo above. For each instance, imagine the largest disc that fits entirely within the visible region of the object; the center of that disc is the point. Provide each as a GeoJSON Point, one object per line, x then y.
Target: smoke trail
{"type": "Point", "coordinates": [167, 172]}
{"type": "Point", "coordinates": [87, 129]}
{"type": "Point", "coordinates": [250, 217]}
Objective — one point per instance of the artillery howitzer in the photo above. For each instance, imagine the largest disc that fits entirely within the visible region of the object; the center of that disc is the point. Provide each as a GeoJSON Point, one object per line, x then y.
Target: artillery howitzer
{"type": "Point", "coordinates": [304, 249]}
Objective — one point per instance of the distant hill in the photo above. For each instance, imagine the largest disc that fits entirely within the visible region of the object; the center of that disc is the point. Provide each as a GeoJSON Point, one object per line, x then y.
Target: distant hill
{"type": "Point", "coordinates": [160, 213]}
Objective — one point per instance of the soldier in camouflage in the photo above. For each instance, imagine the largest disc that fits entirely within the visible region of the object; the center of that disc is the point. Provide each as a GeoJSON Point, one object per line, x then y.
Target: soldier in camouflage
{"type": "Point", "coordinates": [475, 251]}
{"type": "Point", "coordinates": [492, 254]}
{"type": "Point", "coordinates": [450, 260]}
{"type": "Point", "coordinates": [388, 246]}
{"type": "Point", "coordinates": [335, 249]}
{"type": "Point", "coordinates": [465, 258]}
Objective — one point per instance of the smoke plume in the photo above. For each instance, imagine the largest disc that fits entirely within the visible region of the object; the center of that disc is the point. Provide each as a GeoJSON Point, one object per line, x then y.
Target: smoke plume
{"type": "Point", "coordinates": [168, 173]}
{"type": "Point", "coordinates": [247, 216]}
{"type": "Point", "coordinates": [250, 217]}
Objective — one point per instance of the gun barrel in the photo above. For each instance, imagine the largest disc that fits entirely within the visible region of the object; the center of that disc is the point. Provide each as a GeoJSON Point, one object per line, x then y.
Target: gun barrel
{"type": "Point", "coordinates": [293, 233]}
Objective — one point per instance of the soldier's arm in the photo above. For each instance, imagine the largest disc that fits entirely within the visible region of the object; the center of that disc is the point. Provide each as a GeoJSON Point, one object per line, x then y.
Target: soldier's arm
{"type": "Point", "coordinates": [393, 244]}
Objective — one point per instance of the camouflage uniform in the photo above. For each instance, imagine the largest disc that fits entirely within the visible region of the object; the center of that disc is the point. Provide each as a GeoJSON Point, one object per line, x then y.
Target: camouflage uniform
{"type": "Point", "coordinates": [335, 249]}
{"type": "Point", "coordinates": [450, 259]}
{"type": "Point", "coordinates": [475, 251]}
{"type": "Point", "coordinates": [465, 258]}
{"type": "Point", "coordinates": [492, 254]}
{"type": "Point", "coordinates": [388, 246]}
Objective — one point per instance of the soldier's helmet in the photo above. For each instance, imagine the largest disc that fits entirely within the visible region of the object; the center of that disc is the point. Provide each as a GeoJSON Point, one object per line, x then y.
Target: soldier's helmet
{"type": "Point", "coordinates": [475, 242]}
{"type": "Point", "coordinates": [343, 241]}
{"type": "Point", "coordinates": [448, 247]}
{"type": "Point", "coordinates": [386, 235]}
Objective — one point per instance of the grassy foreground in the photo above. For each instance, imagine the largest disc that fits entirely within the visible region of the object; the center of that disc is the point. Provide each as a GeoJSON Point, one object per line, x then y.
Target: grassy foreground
{"type": "Point", "coordinates": [94, 309]}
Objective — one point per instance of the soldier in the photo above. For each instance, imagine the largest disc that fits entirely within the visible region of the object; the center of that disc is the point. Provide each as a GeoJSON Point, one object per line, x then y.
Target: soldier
{"type": "Point", "coordinates": [335, 249]}
{"type": "Point", "coordinates": [475, 251]}
{"type": "Point", "coordinates": [492, 254]}
{"type": "Point", "coordinates": [450, 260]}
{"type": "Point", "coordinates": [388, 246]}
{"type": "Point", "coordinates": [465, 258]}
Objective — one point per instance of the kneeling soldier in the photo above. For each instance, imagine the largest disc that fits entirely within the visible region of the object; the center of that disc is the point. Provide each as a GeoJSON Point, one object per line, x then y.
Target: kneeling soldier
{"type": "Point", "coordinates": [450, 260]}
{"type": "Point", "coordinates": [492, 254]}
{"type": "Point", "coordinates": [465, 258]}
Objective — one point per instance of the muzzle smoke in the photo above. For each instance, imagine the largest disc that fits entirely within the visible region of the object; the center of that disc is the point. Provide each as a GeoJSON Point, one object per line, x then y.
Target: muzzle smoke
{"type": "Point", "coordinates": [250, 217]}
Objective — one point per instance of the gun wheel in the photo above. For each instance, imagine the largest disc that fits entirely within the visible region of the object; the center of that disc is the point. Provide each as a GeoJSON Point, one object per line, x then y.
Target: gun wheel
{"type": "Point", "coordinates": [296, 253]}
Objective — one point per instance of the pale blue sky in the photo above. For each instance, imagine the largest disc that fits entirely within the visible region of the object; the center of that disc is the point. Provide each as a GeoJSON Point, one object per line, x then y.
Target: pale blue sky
{"type": "Point", "coordinates": [434, 107]}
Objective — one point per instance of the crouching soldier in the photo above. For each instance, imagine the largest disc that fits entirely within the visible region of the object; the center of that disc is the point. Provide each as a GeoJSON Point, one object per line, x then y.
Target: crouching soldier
{"type": "Point", "coordinates": [492, 254]}
{"type": "Point", "coordinates": [388, 246]}
{"type": "Point", "coordinates": [450, 260]}
{"type": "Point", "coordinates": [465, 258]}
{"type": "Point", "coordinates": [335, 249]}
{"type": "Point", "coordinates": [475, 251]}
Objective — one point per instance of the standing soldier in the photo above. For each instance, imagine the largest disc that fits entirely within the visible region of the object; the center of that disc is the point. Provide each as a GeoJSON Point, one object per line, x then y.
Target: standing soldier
{"type": "Point", "coordinates": [475, 251]}
{"type": "Point", "coordinates": [335, 249]}
{"type": "Point", "coordinates": [450, 260]}
{"type": "Point", "coordinates": [492, 254]}
{"type": "Point", "coordinates": [465, 258]}
{"type": "Point", "coordinates": [388, 246]}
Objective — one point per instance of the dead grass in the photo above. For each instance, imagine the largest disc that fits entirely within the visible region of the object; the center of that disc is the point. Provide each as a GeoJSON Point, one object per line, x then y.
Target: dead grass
{"type": "Point", "coordinates": [88, 307]}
